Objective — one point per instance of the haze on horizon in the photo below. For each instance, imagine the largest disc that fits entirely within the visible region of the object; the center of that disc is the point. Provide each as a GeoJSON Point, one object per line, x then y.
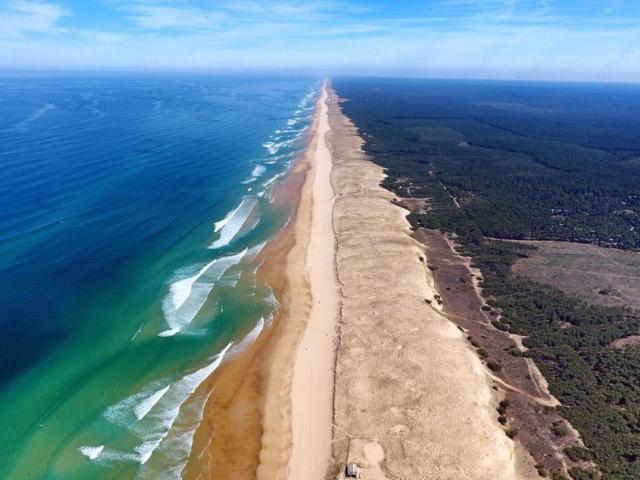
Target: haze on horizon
{"type": "Point", "coordinates": [520, 39]}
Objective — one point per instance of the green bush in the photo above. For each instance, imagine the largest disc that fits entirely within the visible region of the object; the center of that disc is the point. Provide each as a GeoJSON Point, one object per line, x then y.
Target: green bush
{"type": "Point", "coordinates": [559, 429]}
{"type": "Point", "coordinates": [578, 454]}
{"type": "Point", "coordinates": [494, 366]}
{"type": "Point", "coordinates": [578, 473]}
{"type": "Point", "coordinates": [512, 433]}
{"type": "Point", "coordinates": [500, 326]}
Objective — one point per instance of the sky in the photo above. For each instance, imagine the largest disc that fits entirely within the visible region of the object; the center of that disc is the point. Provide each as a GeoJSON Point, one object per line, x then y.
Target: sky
{"type": "Point", "coordinates": [520, 39]}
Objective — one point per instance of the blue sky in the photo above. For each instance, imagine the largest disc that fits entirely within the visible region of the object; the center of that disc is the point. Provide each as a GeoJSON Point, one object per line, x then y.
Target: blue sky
{"type": "Point", "coordinates": [538, 39]}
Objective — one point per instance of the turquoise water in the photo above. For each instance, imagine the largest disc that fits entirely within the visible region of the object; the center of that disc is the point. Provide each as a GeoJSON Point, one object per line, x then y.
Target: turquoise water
{"type": "Point", "coordinates": [131, 211]}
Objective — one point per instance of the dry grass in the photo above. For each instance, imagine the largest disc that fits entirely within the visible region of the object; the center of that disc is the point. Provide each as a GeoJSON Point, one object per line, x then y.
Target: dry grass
{"type": "Point", "coordinates": [604, 276]}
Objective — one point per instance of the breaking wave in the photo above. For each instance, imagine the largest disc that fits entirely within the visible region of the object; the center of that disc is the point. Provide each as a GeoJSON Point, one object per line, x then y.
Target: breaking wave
{"type": "Point", "coordinates": [258, 171]}
{"type": "Point", "coordinates": [167, 416]}
{"type": "Point", "coordinates": [221, 223]}
{"type": "Point", "coordinates": [91, 452]}
{"type": "Point", "coordinates": [148, 403]}
{"type": "Point", "coordinates": [167, 410]}
{"type": "Point", "coordinates": [163, 418]}
{"type": "Point", "coordinates": [187, 295]}
{"type": "Point", "coordinates": [234, 223]}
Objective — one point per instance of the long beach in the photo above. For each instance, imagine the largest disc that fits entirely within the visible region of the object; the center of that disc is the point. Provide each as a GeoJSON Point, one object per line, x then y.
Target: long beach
{"type": "Point", "coordinates": [312, 389]}
{"type": "Point", "coordinates": [263, 419]}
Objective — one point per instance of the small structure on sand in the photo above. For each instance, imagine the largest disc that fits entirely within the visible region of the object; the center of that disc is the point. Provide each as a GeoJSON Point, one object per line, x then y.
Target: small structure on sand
{"type": "Point", "coordinates": [352, 471]}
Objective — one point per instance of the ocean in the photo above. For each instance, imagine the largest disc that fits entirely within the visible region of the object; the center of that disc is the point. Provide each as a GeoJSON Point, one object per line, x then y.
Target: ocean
{"type": "Point", "coordinates": [132, 209]}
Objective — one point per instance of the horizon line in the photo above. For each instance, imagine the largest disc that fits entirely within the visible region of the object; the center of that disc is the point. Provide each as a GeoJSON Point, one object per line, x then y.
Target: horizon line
{"type": "Point", "coordinates": [307, 72]}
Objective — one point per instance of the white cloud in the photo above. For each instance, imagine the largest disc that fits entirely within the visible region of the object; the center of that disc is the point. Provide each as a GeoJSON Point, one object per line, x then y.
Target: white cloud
{"type": "Point", "coordinates": [309, 11]}
{"type": "Point", "coordinates": [153, 17]}
{"type": "Point", "coordinates": [227, 15]}
{"type": "Point", "coordinates": [525, 38]}
{"type": "Point", "coordinates": [18, 17]}
{"type": "Point", "coordinates": [101, 37]}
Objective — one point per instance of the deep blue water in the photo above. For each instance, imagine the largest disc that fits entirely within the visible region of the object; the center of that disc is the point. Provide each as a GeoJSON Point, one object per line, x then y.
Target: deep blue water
{"type": "Point", "coordinates": [109, 190]}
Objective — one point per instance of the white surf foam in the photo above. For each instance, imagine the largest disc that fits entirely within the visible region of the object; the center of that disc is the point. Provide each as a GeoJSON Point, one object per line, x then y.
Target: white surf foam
{"type": "Point", "coordinates": [162, 418]}
{"type": "Point", "coordinates": [219, 224]}
{"type": "Point", "coordinates": [273, 179]}
{"type": "Point", "coordinates": [137, 406]}
{"type": "Point", "coordinates": [146, 449]}
{"type": "Point", "coordinates": [169, 332]}
{"type": "Point", "coordinates": [177, 445]}
{"type": "Point", "coordinates": [272, 300]}
{"type": "Point", "coordinates": [258, 171]}
{"type": "Point", "coordinates": [276, 158]}
{"type": "Point", "coordinates": [299, 131]}
{"type": "Point", "coordinates": [177, 442]}
{"type": "Point", "coordinates": [181, 289]}
{"type": "Point", "coordinates": [108, 455]}
{"type": "Point", "coordinates": [187, 296]}
{"type": "Point", "coordinates": [272, 147]}
{"type": "Point", "coordinates": [255, 250]}
{"type": "Point", "coordinates": [148, 403]}
{"type": "Point", "coordinates": [252, 335]}
{"type": "Point", "coordinates": [235, 223]}
{"type": "Point", "coordinates": [91, 452]}
{"type": "Point", "coordinates": [232, 280]}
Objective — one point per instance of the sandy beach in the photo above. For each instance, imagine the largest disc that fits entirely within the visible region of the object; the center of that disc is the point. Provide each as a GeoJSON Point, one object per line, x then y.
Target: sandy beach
{"type": "Point", "coordinates": [359, 365]}
{"type": "Point", "coordinates": [312, 389]}
{"type": "Point", "coordinates": [260, 409]}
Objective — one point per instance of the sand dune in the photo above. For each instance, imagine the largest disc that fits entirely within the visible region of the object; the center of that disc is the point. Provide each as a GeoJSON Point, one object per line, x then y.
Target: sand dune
{"type": "Point", "coordinates": [411, 399]}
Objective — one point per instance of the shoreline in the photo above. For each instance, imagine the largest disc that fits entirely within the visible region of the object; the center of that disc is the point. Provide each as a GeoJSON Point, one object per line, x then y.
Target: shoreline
{"type": "Point", "coordinates": [246, 431]}
{"type": "Point", "coordinates": [398, 390]}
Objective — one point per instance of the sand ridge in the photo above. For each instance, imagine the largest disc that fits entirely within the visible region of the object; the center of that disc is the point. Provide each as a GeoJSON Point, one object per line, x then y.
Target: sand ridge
{"type": "Point", "coordinates": [408, 387]}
